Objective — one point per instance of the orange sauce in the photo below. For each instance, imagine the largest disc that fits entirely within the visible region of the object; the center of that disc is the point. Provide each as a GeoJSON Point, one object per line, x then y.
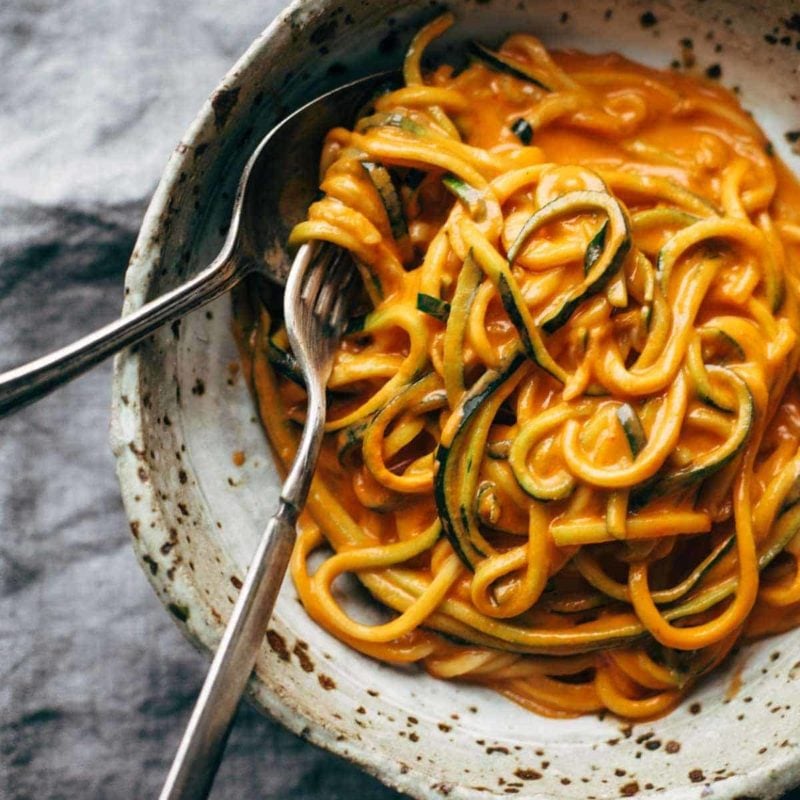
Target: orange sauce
{"type": "Point", "coordinates": [571, 571]}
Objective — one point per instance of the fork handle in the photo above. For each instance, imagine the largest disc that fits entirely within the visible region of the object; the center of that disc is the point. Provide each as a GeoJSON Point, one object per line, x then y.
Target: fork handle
{"type": "Point", "coordinates": [203, 743]}
{"type": "Point", "coordinates": [34, 380]}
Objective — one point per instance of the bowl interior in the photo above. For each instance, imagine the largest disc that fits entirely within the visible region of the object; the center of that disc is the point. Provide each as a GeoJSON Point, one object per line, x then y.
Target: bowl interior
{"type": "Point", "coordinates": [182, 410]}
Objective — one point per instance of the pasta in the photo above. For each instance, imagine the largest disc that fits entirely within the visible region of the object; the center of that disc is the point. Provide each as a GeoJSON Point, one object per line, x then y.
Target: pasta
{"type": "Point", "coordinates": [563, 445]}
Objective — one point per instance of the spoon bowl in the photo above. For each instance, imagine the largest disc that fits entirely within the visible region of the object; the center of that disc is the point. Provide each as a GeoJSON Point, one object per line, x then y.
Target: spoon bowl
{"type": "Point", "coordinates": [281, 178]}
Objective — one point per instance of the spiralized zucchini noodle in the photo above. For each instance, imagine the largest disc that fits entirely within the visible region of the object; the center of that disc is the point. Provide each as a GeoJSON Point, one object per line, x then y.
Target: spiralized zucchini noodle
{"type": "Point", "coordinates": [563, 445]}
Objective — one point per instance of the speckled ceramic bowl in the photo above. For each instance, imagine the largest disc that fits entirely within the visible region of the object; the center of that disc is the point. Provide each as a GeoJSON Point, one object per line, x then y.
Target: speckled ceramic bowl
{"type": "Point", "coordinates": [181, 410]}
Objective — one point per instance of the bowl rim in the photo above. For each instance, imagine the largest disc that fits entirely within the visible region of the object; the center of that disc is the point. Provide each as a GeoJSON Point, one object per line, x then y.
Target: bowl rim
{"type": "Point", "coordinates": [126, 428]}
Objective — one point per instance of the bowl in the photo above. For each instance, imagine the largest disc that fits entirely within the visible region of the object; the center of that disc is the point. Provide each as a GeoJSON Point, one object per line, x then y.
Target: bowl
{"type": "Point", "coordinates": [182, 409]}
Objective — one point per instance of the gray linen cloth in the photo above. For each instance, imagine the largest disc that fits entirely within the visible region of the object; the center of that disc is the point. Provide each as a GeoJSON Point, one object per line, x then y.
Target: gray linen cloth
{"type": "Point", "coordinates": [96, 682]}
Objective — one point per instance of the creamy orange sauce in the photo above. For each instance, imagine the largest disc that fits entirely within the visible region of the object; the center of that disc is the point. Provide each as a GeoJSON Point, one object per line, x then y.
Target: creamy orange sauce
{"type": "Point", "coordinates": [575, 531]}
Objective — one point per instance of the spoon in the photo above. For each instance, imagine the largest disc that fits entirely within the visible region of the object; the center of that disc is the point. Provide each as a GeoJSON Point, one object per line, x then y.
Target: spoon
{"type": "Point", "coordinates": [278, 183]}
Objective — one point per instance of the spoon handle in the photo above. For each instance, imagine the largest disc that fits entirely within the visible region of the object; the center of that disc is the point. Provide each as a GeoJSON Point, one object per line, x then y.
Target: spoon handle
{"type": "Point", "coordinates": [29, 382]}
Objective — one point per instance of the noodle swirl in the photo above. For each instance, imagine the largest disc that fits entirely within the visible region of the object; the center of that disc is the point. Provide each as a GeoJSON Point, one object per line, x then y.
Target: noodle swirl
{"type": "Point", "coordinates": [564, 445]}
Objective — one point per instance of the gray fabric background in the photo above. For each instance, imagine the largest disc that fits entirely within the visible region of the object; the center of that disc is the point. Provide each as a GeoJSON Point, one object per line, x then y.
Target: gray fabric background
{"type": "Point", "coordinates": [96, 682]}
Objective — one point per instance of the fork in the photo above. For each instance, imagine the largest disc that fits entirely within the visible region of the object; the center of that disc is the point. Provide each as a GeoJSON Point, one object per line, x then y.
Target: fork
{"type": "Point", "coordinates": [316, 304]}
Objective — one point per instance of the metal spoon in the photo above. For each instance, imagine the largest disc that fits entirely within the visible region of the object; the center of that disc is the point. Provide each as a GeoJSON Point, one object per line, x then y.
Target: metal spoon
{"type": "Point", "coordinates": [277, 185]}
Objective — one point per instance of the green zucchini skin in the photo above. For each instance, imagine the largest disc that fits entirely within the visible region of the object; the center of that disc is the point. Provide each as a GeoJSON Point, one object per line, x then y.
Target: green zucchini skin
{"type": "Point", "coordinates": [471, 197]}
{"type": "Point", "coordinates": [632, 426]}
{"type": "Point", "coordinates": [433, 306]}
{"type": "Point", "coordinates": [285, 364]}
{"type": "Point", "coordinates": [595, 248]}
{"type": "Point", "coordinates": [716, 337]}
{"type": "Point", "coordinates": [459, 522]}
{"type": "Point", "coordinates": [523, 130]}
{"type": "Point", "coordinates": [784, 529]}
{"type": "Point", "coordinates": [690, 477]}
{"type": "Point", "coordinates": [356, 324]}
{"type": "Point", "coordinates": [348, 440]}
{"type": "Point", "coordinates": [499, 63]}
{"type": "Point", "coordinates": [393, 119]}
{"type": "Point", "coordinates": [390, 198]}
{"type": "Point", "coordinates": [464, 296]}
{"type": "Point", "coordinates": [603, 262]}
{"type": "Point", "coordinates": [352, 437]}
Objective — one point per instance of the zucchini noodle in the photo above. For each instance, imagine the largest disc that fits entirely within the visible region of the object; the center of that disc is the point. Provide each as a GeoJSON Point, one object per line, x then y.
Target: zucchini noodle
{"type": "Point", "coordinates": [563, 444]}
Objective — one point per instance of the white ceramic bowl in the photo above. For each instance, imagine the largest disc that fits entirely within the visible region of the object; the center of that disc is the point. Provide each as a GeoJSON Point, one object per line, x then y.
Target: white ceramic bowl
{"type": "Point", "coordinates": [181, 410]}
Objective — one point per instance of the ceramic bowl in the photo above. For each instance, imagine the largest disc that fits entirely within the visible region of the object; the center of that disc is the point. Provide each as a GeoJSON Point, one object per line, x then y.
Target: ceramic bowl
{"type": "Point", "coordinates": [181, 410]}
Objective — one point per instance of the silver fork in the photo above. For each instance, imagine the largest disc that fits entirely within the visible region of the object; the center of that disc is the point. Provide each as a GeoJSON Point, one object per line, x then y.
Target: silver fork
{"type": "Point", "coordinates": [316, 305]}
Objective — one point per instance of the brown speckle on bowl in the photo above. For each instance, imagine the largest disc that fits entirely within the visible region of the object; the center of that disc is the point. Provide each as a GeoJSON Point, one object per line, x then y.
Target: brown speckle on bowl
{"type": "Point", "coordinates": [278, 644]}
{"type": "Point", "coordinates": [648, 19]}
{"type": "Point", "coordinates": [137, 451]}
{"type": "Point", "coordinates": [653, 744]}
{"type": "Point", "coordinates": [629, 789]}
{"type": "Point", "coordinates": [301, 652]}
{"type": "Point", "coordinates": [714, 72]}
{"type": "Point", "coordinates": [223, 101]}
{"type": "Point", "coordinates": [326, 682]}
{"type": "Point", "coordinates": [236, 582]}
{"type": "Point", "coordinates": [528, 774]}
{"type": "Point", "coordinates": [696, 776]}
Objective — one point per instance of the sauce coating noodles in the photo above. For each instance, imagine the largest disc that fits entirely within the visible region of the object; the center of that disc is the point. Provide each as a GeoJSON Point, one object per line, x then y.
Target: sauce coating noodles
{"type": "Point", "coordinates": [563, 446]}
